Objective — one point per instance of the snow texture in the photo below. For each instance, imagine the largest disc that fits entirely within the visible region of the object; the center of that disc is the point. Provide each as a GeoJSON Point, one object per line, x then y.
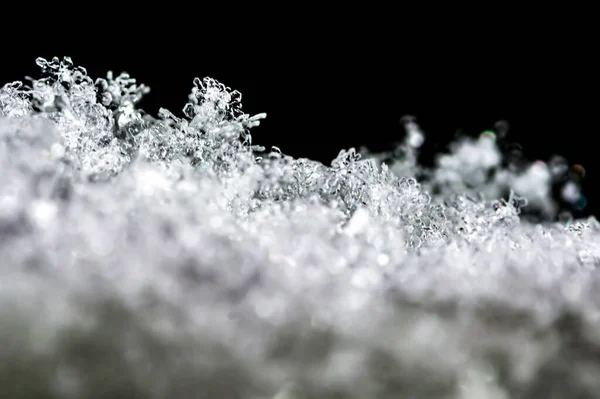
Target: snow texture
{"type": "Point", "coordinates": [170, 257]}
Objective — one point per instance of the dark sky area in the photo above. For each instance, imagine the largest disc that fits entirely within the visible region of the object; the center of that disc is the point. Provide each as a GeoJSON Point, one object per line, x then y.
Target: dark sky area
{"type": "Point", "coordinates": [325, 95]}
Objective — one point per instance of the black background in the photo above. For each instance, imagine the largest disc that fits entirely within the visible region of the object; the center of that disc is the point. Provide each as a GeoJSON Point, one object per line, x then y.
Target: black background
{"type": "Point", "coordinates": [329, 90]}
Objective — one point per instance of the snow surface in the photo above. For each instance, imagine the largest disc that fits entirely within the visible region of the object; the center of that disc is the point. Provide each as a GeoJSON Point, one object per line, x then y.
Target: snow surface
{"type": "Point", "coordinates": [169, 257]}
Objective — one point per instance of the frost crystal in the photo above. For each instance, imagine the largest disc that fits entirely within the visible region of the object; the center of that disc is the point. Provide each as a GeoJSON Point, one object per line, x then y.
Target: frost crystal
{"type": "Point", "coordinates": [168, 257]}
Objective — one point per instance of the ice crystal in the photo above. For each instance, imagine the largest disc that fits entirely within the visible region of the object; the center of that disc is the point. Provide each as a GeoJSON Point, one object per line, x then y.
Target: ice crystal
{"type": "Point", "coordinates": [161, 257]}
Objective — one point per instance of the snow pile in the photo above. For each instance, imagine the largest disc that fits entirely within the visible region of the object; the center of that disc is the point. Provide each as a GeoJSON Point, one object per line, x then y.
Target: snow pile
{"type": "Point", "coordinates": [171, 257]}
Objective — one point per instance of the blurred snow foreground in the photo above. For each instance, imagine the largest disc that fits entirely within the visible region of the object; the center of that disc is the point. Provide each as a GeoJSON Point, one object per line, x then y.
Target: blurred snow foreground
{"type": "Point", "coordinates": [169, 257]}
